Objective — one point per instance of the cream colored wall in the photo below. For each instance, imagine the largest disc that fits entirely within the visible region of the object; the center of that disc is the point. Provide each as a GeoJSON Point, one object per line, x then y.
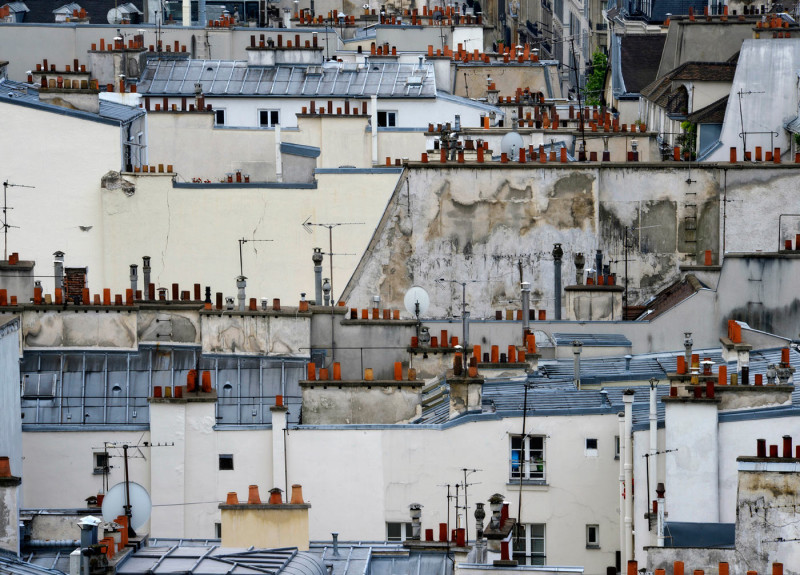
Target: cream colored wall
{"type": "Point", "coordinates": [63, 158]}
{"type": "Point", "coordinates": [705, 93]}
{"type": "Point", "coordinates": [44, 463]}
{"type": "Point", "coordinates": [265, 527]}
{"type": "Point", "coordinates": [192, 233]}
{"type": "Point", "coordinates": [190, 143]}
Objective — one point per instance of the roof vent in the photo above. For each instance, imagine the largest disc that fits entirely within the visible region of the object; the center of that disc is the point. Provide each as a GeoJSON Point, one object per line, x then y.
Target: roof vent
{"type": "Point", "coordinates": [414, 80]}
{"type": "Point", "coordinates": [314, 71]}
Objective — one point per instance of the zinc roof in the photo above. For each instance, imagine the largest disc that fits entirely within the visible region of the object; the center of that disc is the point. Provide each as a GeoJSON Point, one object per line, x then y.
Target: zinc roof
{"type": "Point", "coordinates": [233, 78]}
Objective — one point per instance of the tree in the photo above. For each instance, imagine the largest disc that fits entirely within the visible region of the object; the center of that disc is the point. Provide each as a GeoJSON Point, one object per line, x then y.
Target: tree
{"type": "Point", "coordinates": [595, 82]}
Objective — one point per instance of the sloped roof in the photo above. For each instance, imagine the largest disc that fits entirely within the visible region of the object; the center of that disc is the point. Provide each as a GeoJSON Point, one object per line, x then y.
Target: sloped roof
{"type": "Point", "coordinates": [660, 91]}
{"type": "Point", "coordinates": [234, 78]}
{"type": "Point", "coordinates": [673, 294]}
{"type": "Point", "coordinates": [714, 113]}
{"type": "Point", "coordinates": [42, 11]}
{"type": "Point", "coordinates": [639, 58]}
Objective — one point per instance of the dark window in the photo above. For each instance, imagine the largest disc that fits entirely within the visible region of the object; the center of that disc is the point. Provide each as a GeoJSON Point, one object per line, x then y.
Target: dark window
{"type": "Point", "coordinates": [101, 462]}
{"type": "Point", "coordinates": [269, 118]}
{"type": "Point", "coordinates": [387, 119]}
{"type": "Point", "coordinates": [219, 117]}
{"type": "Point", "coordinates": [218, 530]}
{"type": "Point", "coordinates": [591, 443]}
{"type": "Point", "coordinates": [226, 462]}
{"type": "Point", "coordinates": [398, 531]}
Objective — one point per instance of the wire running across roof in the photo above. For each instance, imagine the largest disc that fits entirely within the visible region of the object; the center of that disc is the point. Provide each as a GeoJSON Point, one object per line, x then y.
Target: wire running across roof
{"type": "Point", "coordinates": [234, 78]}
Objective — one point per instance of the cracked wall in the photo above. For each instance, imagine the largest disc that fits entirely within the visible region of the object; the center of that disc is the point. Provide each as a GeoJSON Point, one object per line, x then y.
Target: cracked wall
{"type": "Point", "coordinates": [480, 225]}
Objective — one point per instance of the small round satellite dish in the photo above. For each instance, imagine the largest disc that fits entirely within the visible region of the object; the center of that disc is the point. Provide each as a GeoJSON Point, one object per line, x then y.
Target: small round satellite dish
{"type": "Point", "coordinates": [115, 16]}
{"type": "Point", "coordinates": [511, 144]}
{"type": "Point", "coordinates": [114, 504]}
{"type": "Point", "coordinates": [414, 295]}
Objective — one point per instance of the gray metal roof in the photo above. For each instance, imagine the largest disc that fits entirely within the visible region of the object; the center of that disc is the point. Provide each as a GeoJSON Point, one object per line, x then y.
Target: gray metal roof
{"type": "Point", "coordinates": [18, 7]}
{"type": "Point", "coordinates": [231, 78]}
{"type": "Point", "coordinates": [23, 94]}
{"type": "Point", "coordinates": [592, 339]}
{"type": "Point", "coordinates": [119, 112]}
{"type": "Point", "coordinates": [11, 565]}
{"type": "Point", "coordinates": [380, 559]}
{"type": "Point", "coordinates": [67, 8]}
{"type": "Point", "coordinates": [216, 560]}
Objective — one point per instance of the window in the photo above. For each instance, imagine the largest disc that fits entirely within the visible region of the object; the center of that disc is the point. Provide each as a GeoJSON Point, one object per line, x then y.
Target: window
{"type": "Point", "coordinates": [591, 447]}
{"type": "Point", "coordinates": [218, 530]}
{"type": "Point", "coordinates": [269, 118]}
{"type": "Point", "coordinates": [616, 447]}
{"type": "Point", "coordinates": [39, 385]}
{"type": "Point", "coordinates": [387, 119]}
{"type": "Point", "coordinates": [226, 462]}
{"type": "Point", "coordinates": [219, 117]}
{"type": "Point", "coordinates": [593, 537]}
{"type": "Point", "coordinates": [527, 457]}
{"type": "Point", "coordinates": [100, 462]}
{"type": "Point", "coordinates": [398, 531]}
{"type": "Point", "coordinates": [529, 546]}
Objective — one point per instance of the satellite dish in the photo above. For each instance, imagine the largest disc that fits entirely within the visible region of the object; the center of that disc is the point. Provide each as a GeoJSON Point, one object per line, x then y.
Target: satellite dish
{"type": "Point", "coordinates": [511, 144]}
{"type": "Point", "coordinates": [114, 504]}
{"type": "Point", "coordinates": [115, 16]}
{"type": "Point", "coordinates": [414, 295]}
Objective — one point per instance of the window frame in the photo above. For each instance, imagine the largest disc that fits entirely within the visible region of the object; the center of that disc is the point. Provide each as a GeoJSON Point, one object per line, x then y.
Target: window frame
{"type": "Point", "coordinates": [530, 461]}
{"type": "Point", "coordinates": [525, 554]}
{"type": "Point", "coordinates": [405, 533]}
{"type": "Point", "coordinates": [593, 543]}
{"type": "Point", "coordinates": [270, 112]}
{"type": "Point", "coordinates": [225, 457]}
{"type": "Point", "coordinates": [591, 451]}
{"type": "Point", "coordinates": [386, 115]}
{"type": "Point", "coordinates": [97, 463]}
{"type": "Point", "coordinates": [224, 113]}
{"type": "Point", "coordinates": [617, 447]}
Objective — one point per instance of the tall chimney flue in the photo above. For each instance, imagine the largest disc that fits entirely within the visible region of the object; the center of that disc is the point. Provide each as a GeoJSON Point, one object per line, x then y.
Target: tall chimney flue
{"type": "Point", "coordinates": [146, 273]}
{"type": "Point", "coordinates": [134, 277]}
{"type": "Point", "coordinates": [558, 253]}
{"type": "Point", "coordinates": [317, 259]}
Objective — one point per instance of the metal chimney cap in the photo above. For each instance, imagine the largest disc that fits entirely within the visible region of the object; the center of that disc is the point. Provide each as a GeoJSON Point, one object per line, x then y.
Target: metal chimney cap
{"type": "Point", "coordinates": [525, 286]}
{"type": "Point", "coordinates": [58, 254]}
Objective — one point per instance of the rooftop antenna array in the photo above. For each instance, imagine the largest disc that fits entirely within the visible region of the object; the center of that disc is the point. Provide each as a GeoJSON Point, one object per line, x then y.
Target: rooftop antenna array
{"type": "Point", "coordinates": [307, 227]}
{"type": "Point", "coordinates": [243, 241]}
{"type": "Point", "coordinates": [6, 225]}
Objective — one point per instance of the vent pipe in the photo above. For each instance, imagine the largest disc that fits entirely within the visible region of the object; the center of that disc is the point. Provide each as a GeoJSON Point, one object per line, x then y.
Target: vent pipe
{"type": "Point", "coordinates": [652, 461]}
{"type": "Point", "coordinates": [598, 264]}
{"type": "Point", "coordinates": [326, 290]}
{"type": "Point", "coordinates": [661, 512]}
{"type": "Point", "coordinates": [317, 259]}
{"type": "Point", "coordinates": [241, 283]}
{"type": "Point", "coordinates": [557, 255]}
{"type": "Point", "coordinates": [415, 510]}
{"type": "Point", "coordinates": [201, 15]}
{"type": "Point", "coordinates": [58, 269]}
{"type": "Point", "coordinates": [146, 272]}
{"type": "Point", "coordinates": [687, 346]}
{"type": "Point", "coordinates": [335, 537]}
{"type": "Point", "coordinates": [627, 399]}
{"type": "Point", "coordinates": [526, 306]}
{"type": "Point", "coordinates": [580, 261]}
{"type": "Point", "coordinates": [134, 278]}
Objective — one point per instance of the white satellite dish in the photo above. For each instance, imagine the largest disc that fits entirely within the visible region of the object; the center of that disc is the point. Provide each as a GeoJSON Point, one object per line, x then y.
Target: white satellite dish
{"type": "Point", "coordinates": [511, 145]}
{"type": "Point", "coordinates": [114, 504]}
{"type": "Point", "coordinates": [115, 16]}
{"type": "Point", "coordinates": [413, 296]}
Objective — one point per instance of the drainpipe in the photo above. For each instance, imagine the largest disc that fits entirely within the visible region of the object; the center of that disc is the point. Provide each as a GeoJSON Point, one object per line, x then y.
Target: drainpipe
{"type": "Point", "coordinates": [134, 278]}
{"type": "Point", "coordinates": [278, 444]}
{"type": "Point", "coordinates": [317, 259]}
{"type": "Point", "coordinates": [557, 255]}
{"type": "Point", "coordinates": [627, 398]}
{"type": "Point", "coordinates": [278, 158]}
{"type": "Point", "coordinates": [58, 270]}
{"type": "Point", "coordinates": [241, 283]}
{"type": "Point", "coordinates": [621, 422]}
{"type": "Point", "coordinates": [661, 513]}
{"type": "Point", "coordinates": [526, 306]}
{"type": "Point", "coordinates": [146, 272]}
{"type": "Point", "coordinates": [653, 434]}
{"type": "Point", "coordinates": [374, 121]}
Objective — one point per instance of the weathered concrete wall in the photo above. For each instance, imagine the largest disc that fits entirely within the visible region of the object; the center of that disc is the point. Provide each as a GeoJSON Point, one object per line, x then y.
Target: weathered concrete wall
{"type": "Point", "coordinates": [470, 224]}
{"type": "Point", "coordinates": [95, 327]}
{"type": "Point", "coordinates": [693, 558]}
{"type": "Point", "coordinates": [767, 529]}
{"type": "Point", "coordinates": [256, 333]}
{"type": "Point", "coordinates": [349, 402]}
{"type": "Point", "coordinates": [593, 304]}
{"type": "Point", "coordinates": [9, 515]}
{"type": "Point", "coordinates": [470, 81]}
{"type": "Point", "coordinates": [167, 325]}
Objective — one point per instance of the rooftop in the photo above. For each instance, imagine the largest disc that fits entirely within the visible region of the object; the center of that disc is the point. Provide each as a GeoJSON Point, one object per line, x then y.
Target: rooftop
{"type": "Point", "coordinates": [234, 78]}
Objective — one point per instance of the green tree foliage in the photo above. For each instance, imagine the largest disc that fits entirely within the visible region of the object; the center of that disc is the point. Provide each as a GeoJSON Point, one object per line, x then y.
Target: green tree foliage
{"type": "Point", "coordinates": [595, 82]}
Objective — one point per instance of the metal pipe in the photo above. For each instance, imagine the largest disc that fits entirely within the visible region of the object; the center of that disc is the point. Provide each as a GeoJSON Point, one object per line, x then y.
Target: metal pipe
{"type": "Point", "coordinates": [653, 464]}
{"type": "Point", "coordinates": [58, 271]}
{"type": "Point", "coordinates": [278, 158]}
{"type": "Point", "coordinates": [621, 421]}
{"type": "Point", "coordinates": [146, 272]}
{"type": "Point", "coordinates": [526, 307]}
{"type": "Point", "coordinates": [241, 283]}
{"type": "Point", "coordinates": [134, 278]}
{"type": "Point", "coordinates": [557, 255]}
{"type": "Point", "coordinates": [317, 258]}
{"type": "Point", "coordinates": [627, 398]}
{"type": "Point", "coordinates": [374, 127]}
{"type": "Point", "coordinates": [577, 345]}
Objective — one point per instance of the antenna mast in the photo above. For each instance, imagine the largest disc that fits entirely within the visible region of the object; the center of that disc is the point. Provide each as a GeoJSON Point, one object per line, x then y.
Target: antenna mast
{"type": "Point", "coordinates": [6, 225]}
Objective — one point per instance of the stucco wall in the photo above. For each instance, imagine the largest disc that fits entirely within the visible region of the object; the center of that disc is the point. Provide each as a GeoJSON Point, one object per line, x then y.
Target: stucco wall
{"type": "Point", "coordinates": [93, 329]}
{"type": "Point", "coordinates": [257, 334]}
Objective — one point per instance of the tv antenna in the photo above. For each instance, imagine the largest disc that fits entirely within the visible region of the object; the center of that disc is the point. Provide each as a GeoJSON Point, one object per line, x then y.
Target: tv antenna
{"type": "Point", "coordinates": [743, 135]}
{"type": "Point", "coordinates": [307, 227]}
{"type": "Point", "coordinates": [6, 225]}
{"type": "Point", "coordinates": [465, 485]}
{"type": "Point", "coordinates": [243, 241]}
